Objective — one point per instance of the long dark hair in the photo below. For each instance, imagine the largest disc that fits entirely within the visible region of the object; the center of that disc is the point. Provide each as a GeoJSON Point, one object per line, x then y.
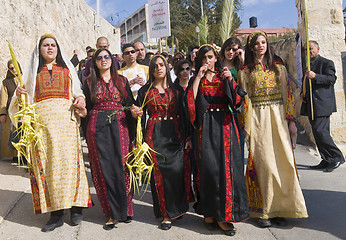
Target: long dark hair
{"type": "Point", "coordinates": [179, 68]}
{"type": "Point", "coordinates": [59, 60]}
{"type": "Point", "coordinates": [250, 55]}
{"type": "Point", "coordinates": [95, 75]}
{"type": "Point", "coordinates": [152, 65]}
{"type": "Point", "coordinates": [236, 61]}
{"type": "Point", "coordinates": [200, 55]}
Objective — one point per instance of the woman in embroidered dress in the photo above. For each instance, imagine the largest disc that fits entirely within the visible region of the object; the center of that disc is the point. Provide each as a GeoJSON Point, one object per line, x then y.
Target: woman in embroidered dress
{"type": "Point", "coordinates": [108, 137]}
{"type": "Point", "coordinates": [221, 189]}
{"type": "Point", "coordinates": [232, 56]}
{"type": "Point", "coordinates": [170, 182]}
{"type": "Point", "coordinates": [58, 179]}
{"type": "Point", "coordinates": [269, 114]}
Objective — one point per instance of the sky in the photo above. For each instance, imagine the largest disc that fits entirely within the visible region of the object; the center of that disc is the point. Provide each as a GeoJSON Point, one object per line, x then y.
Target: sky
{"type": "Point", "coordinates": [269, 13]}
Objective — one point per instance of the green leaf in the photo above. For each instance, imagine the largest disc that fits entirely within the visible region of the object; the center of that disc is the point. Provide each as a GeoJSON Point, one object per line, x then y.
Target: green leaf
{"type": "Point", "coordinates": [226, 21]}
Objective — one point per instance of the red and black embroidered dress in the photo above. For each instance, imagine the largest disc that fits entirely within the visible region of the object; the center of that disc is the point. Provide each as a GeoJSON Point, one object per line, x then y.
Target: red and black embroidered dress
{"type": "Point", "coordinates": [108, 142]}
{"type": "Point", "coordinates": [221, 188]}
{"type": "Point", "coordinates": [171, 181]}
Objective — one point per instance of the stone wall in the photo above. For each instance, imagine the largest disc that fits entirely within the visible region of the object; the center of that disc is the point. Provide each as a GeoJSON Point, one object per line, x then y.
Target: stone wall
{"type": "Point", "coordinates": [71, 21]}
{"type": "Point", "coordinates": [326, 26]}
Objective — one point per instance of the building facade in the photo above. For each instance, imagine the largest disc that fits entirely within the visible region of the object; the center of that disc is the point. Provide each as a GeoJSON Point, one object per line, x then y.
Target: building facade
{"type": "Point", "coordinates": [136, 28]}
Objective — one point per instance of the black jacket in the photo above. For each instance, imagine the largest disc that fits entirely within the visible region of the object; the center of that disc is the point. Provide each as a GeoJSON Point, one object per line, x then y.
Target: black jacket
{"type": "Point", "coordinates": [322, 89]}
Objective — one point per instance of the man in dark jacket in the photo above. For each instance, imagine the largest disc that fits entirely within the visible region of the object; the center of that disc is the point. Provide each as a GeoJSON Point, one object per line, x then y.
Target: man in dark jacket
{"type": "Point", "coordinates": [323, 78]}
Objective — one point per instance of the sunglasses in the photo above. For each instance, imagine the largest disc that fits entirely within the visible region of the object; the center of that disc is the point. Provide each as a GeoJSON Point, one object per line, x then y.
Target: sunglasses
{"type": "Point", "coordinates": [11, 68]}
{"type": "Point", "coordinates": [128, 52]}
{"type": "Point", "coordinates": [230, 48]}
{"type": "Point", "coordinates": [106, 57]}
{"type": "Point", "coordinates": [185, 68]}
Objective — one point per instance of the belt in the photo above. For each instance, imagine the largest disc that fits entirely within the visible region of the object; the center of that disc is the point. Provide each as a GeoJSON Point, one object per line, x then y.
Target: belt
{"type": "Point", "coordinates": [165, 118]}
{"type": "Point", "coordinates": [217, 108]}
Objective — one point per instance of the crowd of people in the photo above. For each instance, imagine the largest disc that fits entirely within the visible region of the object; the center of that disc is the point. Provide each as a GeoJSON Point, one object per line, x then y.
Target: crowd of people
{"type": "Point", "coordinates": [197, 109]}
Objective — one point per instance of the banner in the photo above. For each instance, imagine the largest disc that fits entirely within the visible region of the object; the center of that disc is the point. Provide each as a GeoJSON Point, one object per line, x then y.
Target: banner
{"type": "Point", "coordinates": [159, 18]}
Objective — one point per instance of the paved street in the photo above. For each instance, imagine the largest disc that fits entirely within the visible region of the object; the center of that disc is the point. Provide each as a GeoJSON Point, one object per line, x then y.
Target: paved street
{"type": "Point", "coordinates": [325, 195]}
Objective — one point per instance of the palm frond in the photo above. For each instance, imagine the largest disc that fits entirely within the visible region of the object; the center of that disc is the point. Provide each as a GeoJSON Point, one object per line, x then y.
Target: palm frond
{"type": "Point", "coordinates": [226, 21]}
{"type": "Point", "coordinates": [203, 29]}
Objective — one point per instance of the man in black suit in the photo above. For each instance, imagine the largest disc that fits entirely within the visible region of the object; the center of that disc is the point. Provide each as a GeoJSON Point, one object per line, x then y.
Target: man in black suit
{"type": "Point", "coordinates": [323, 78]}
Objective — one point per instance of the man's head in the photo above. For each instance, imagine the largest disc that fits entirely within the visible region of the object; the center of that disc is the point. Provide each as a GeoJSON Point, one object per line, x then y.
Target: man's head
{"type": "Point", "coordinates": [129, 53]}
{"type": "Point", "coordinates": [102, 42]}
{"type": "Point", "coordinates": [140, 49]}
{"type": "Point", "coordinates": [87, 49]}
{"type": "Point", "coordinates": [90, 53]}
{"type": "Point", "coordinates": [314, 49]}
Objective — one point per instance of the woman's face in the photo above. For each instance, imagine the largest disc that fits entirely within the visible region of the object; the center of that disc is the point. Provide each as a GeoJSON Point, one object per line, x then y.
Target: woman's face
{"type": "Point", "coordinates": [160, 69]}
{"type": "Point", "coordinates": [184, 74]}
{"type": "Point", "coordinates": [209, 59]}
{"type": "Point", "coordinates": [231, 51]}
{"type": "Point", "coordinates": [193, 54]}
{"type": "Point", "coordinates": [12, 69]}
{"type": "Point", "coordinates": [260, 47]}
{"type": "Point", "coordinates": [103, 61]}
{"type": "Point", "coordinates": [49, 50]}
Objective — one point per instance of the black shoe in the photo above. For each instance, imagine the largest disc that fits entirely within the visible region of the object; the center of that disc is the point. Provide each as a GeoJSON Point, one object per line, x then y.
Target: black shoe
{"type": "Point", "coordinates": [165, 226]}
{"type": "Point", "coordinates": [332, 166]}
{"type": "Point", "coordinates": [76, 215]}
{"type": "Point", "coordinates": [279, 221]}
{"type": "Point", "coordinates": [322, 165]}
{"type": "Point", "coordinates": [228, 232]}
{"type": "Point", "coordinates": [210, 226]}
{"type": "Point", "coordinates": [264, 223]}
{"type": "Point", "coordinates": [56, 220]}
{"type": "Point", "coordinates": [128, 219]}
{"type": "Point", "coordinates": [108, 227]}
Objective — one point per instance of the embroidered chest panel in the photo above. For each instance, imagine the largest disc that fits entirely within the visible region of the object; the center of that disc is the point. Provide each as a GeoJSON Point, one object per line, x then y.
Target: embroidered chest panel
{"type": "Point", "coordinates": [55, 85]}
{"type": "Point", "coordinates": [107, 92]}
{"type": "Point", "coordinates": [214, 88]}
{"type": "Point", "coordinates": [158, 105]}
{"type": "Point", "coordinates": [264, 86]}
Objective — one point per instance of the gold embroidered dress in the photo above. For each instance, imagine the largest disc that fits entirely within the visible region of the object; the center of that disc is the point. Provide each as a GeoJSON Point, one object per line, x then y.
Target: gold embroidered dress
{"type": "Point", "coordinates": [271, 175]}
{"type": "Point", "coordinates": [58, 181]}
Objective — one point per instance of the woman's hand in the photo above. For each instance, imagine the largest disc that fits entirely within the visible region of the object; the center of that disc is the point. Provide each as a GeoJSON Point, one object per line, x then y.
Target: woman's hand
{"type": "Point", "coordinates": [136, 111]}
{"type": "Point", "coordinates": [79, 102]}
{"type": "Point", "coordinates": [202, 71]}
{"type": "Point", "coordinates": [292, 127]}
{"type": "Point", "coordinates": [188, 145]}
{"type": "Point", "coordinates": [82, 112]}
{"type": "Point", "coordinates": [226, 73]}
{"type": "Point", "coordinates": [21, 90]}
{"type": "Point", "coordinates": [241, 55]}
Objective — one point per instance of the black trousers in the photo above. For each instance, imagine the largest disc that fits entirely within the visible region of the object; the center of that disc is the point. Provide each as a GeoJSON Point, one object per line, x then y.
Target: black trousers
{"type": "Point", "coordinates": [325, 144]}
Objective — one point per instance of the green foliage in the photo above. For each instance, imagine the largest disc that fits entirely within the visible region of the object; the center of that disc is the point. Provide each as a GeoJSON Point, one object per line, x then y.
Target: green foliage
{"type": "Point", "coordinates": [186, 15]}
{"type": "Point", "coordinates": [282, 37]}
{"type": "Point", "coordinates": [226, 20]}
{"type": "Point", "coordinates": [203, 27]}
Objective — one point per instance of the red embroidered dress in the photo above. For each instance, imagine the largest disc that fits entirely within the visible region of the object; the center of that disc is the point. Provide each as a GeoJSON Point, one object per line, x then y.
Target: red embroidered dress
{"type": "Point", "coordinates": [221, 189]}
{"type": "Point", "coordinates": [170, 184]}
{"type": "Point", "coordinates": [108, 143]}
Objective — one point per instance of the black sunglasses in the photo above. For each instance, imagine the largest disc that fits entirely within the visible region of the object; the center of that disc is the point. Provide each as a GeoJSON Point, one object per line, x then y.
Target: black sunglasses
{"type": "Point", "coordinates": [11, 68]}
{"type": "Point", "coordinates": [128, 52]}
{"type": "Point", "coordinates": [230, 48]}
{"type": "Point", "coordinates": [106, 57]}
{"type": "Point", "coordinates": [185, 68]}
